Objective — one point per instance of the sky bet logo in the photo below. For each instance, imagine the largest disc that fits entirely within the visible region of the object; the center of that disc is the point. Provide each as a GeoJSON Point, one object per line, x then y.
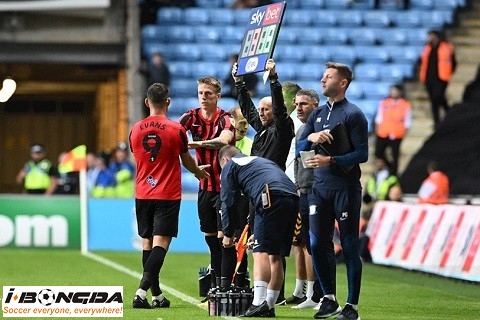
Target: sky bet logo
{"type": "Point", "coordinates": [271, 14]}
{"type": "Point", "coordinates": [62, 301]}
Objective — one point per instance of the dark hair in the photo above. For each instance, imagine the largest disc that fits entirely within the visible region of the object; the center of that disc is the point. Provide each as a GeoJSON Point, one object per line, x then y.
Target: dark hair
{"type": "Point", "coordinates": [157, 93]}
{"type": "Point", "coordinates": [344, 70]}
{"type": "Point", "coordinates": [310, 93]}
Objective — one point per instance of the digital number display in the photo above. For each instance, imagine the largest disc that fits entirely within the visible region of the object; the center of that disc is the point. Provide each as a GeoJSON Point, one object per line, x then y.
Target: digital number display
{"type": "Point", "coordinates": [260, 37]}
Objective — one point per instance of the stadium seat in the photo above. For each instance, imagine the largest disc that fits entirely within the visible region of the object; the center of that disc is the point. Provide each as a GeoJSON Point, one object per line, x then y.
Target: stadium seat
{"type": "Point", "coordinates": [312, 84]}
{"type": "Point", "coordinates": [310, 72]}
{"type": "Point", "coordinates": [343, 54]}
{"type": "Point", "coordinates": [185, 52]}
{"type": "Point", "coordinates": [367, 71]}
{"type": "Point", "coordinates": [417, 36]}
{"type": "Point", "coordinates": [148, 49]}
{"type": "Point", "coordinates": [221, 16]}
{"type": "Point", "coordinates": [227, 103]}
{"type": "Point", "coordinates": [232, 34]}
{"type": "Point", "coordinates": [153, 34]}
{"type": "Point", "coordinates": [421, 5]}
{"type": "Point", "coordinates": [334, 36]}
{"type": "Point", "coordinates": [308, 38]}
{"type": "Point", "coordinates": [207, 34]}
{"type": "Point", "coordinates": [196, 16]}
{"type": "Point", "coordinates": [393, 36]}
{"type": "Point", "coordinates": [324, 19]}
{"type": "Point", "coordinates": [170, 16]}
{"type": "Point", "coordinates": [179, 106]}
{"type": "Point", "coordinates": [214, 52]}
{"type": "Point", "coordinates": [298, 17]}
{"type": "Point", "coordinates": [189, 182]}
{"type": "Point", "coordinates": [210, 4]}
{"type": "Point", "coordinates": [350, 18]}
{"type": "Point", "coordinates": [180, 33]}
{"type": "Point", "coordinates": [374, 90]}
{"type": "Point", "coordinates": [287, 36]}
{"type": "Point", "coordinates": [378, 18]}
{"type": "Point", "coordinates": [436, 19]}
{"type": "Point", "coordinates": [363, 36]}
{"type": "Point", "coordinates": [242, 17]}
{"type": "Point", "coordinates": [317, 54]}
{"type": "Point", "coordinates": [354, 91]}
{"type": "Point", "coordinates": [369, 108]}
{"type": "Point", "coordinates": [403, 54]}
{"type": "Point", "coordinates": [393, 72]}
{"type": "Point", "coordinates": [311, 4]}
{"type": "Point", "coordinates": [445, 4]}
{"type": "Point", "coordinates": [377, 54]}
{"type": "Point", "coordinates": [288, 71]}
{"type": "Point", "coordinates": [180, 69]}
{"type": "Point", "coordinates": [289, 53]}
{"type": "Point", "coordinates": [210, 69]}
{"type": "Point", "coordinates": [337, 4]}
{"type": "Point", "coordinates": [183, 87]}
{"type": "Point", "coordinates": [408, 19]}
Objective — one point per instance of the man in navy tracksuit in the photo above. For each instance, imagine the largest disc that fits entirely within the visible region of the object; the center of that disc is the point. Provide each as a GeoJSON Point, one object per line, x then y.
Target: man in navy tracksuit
{"type": "Point", "coordinates": [336, 193]}
{"type": "Point", "coordinates": [274, 197]}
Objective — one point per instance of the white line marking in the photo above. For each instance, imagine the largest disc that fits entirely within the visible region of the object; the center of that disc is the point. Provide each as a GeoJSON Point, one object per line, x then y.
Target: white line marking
{"type": "Point", "coordinates": [138, 276]}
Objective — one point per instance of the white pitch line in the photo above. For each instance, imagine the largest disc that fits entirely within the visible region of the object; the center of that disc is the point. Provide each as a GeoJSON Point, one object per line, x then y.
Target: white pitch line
{"type": "Point", "coordinates": [138, 276]}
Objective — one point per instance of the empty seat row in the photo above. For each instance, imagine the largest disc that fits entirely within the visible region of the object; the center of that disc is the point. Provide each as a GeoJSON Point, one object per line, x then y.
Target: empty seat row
{"type": "Point", "coordinates": [302, 17]}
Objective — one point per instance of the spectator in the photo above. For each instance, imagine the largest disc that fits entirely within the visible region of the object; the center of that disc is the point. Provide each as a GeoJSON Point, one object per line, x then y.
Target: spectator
{"type": "Point", "coordinates": [157, 70]}
{"type": "Point", "coordinates": [92, 171]}
{"type": "Point", "coordinates": [275, 200]}
{"type": "Point", "coordinates": [305, 102]}
{"type": "Point", "coordinates": [67, 182]}
{"type": "Point", "coordinates": [251, 81]}
{"type": "Point", "coordinates": [437, 65]}
{"type": "Point", "coordinates": [244, 4]}
{"type": "Point", "coordinates": [124, 172]}
{"type": "Point", "coordinates": [211, 128]}
{"type": "Point", "coordinates": [471, 94]}
{"type": "Point", "coordinates": [157, 149]}
{"type": "Point", "coordinates": [405, 5]}
{"type": "Point", "coordinates": [378, 185]}
{"type": "Point", "coordinates": [336, 194]}
{"type": "Point", "coordinates": [38, 175]}
{"type": "Point", "coordinates": [435, 188]}
{"type": "Point", "coordinates": [104, 186]}
{"type": "Point", "coordinates": [393, 119]}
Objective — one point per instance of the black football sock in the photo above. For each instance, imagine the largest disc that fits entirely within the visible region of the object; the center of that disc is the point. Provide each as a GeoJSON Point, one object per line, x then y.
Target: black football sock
{"type": "Point", "coordinates": [229, 261]}
{"type": "Point", "coordinates": [215, 255]}
{"type": "Point", "coordinates": [152, 267]}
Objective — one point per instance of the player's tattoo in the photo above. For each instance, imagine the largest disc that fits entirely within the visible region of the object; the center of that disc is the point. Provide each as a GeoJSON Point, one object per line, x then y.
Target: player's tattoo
{"type": "Point", "coordinates": [213, 144]}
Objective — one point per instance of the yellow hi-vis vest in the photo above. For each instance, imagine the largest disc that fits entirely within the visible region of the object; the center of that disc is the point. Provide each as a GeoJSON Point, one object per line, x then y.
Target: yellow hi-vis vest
{"type": "Point", "coordinates": [37, 176]}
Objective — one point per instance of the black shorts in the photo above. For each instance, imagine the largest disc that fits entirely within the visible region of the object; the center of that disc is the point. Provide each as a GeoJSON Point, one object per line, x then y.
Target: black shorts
{"type": "Point", "coordinates": [208, 208]}
{"type": "Point", "coordinates": [157, 217]}
{"type": "Point", "coordinates": [273, 227]}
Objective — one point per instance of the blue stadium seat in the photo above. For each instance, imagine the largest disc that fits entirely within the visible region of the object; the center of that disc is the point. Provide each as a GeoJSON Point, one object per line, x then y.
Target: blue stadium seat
{"type": "Point", "coordinates": [209, 4]}
{"type": "Point", "coordinates": [210, 69]}
{"type": "Point", "coordinates": [308, 38]}
{"type": "Point", "coordinates": [343, 54]}
{"type": "Point", "coordinates": [368, 53]}
{"type": "Point", "coordinates": [324, 19]}
{"type": "Point", "coordinates": [289, 53]}
{"type": "Point", "coordinates": [378, 18]}
{"type": "Point", "coordinates": [369, 108]}
{"type": "Point", "coordinates": [153, 34]}
{"type": "Point", "coordinates": [221, 16]}
{"type": "Point", "coordinates": [183, 87]}
{"type": "Point", "coordinates": [242, 17]}
{"type": "Point", "coordinates": [393, 72]}
{"type": "Point", "coordinates": [298, 17]}
{"type": "Point", "coordinates": [337, 4]}
{"type": "Point", "coordinates": [363, 36]}
{"type": "Point", "coordinates": [148, 49]}
{"type": "Point", "coordinates": [446, 4]}
{"type": "Point", "coordinates": [335, 35]}
{"type": "Point", "coordinates": [309, 72]}
{"type": "Point", "coordinates": [393, 36]}
{"type": "Point", "coordinates": [180, 105]}
{"type": "Point", "coordinates": [408, 19]}
{"type": "Point", "coordinates": [180, 33]}
{"type": "Point", "coordinates": [355, 91]}
{"type": "Point", "coordinates": [367, 71]}
{"type": "Point", "coordinates": [232, 34]}
{"type": "Point", "coordinates": [404, 54]}
{"type": "Point", "coordinates": [374, 90]}
{"type": "Point", "coordinates": [189, 182]}
{"type": "Point", "coordinates": [263, 90]}
{"type": "Point", "coordinates": [185, 52]}
{"type": "Point", "coordinates": [437, 19]}
{"type": "Point", "coordinates": [317, 54]}
{"type": "Point", "coordinates": [180, 69]}
{"type": "Point", "coordinates": [170, 16]}
{"type": "Point", "coordinates": [227, 103]}
{"type": "Point", "coordinates": [214, 52]}
{"type": "Point", "coordinates": [417, 36]}
{"type": "Point", "coordinates": [207, 34]}
{"type": "Point", "coordinates": [350, 18]}
{"type": "Point", "coordinates": [288, 71]}
{"type": "Point", "coordinates": [311, 4]}
{"type": "Point", "coordinates": [313, 84]}
{"type": "Point", "coordinates": [287, 36]}
{"type": "Point", "coordinates": [421, 5]}
{"type": "Point", "coordinates": [196, 16]}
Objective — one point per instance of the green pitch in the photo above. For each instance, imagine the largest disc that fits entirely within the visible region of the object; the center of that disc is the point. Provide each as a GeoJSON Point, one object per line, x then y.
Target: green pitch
{"type": "Point", "coordinates": [386, 294]}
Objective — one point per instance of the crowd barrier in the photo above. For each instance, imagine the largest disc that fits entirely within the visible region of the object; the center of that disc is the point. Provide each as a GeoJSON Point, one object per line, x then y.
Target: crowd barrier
{"type": "Point", "coordinates": [54, 222]}
{"type": "Point", "coordinates": [438, 239]}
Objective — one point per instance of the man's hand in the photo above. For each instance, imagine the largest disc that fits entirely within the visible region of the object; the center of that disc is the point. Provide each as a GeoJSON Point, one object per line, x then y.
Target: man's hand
{"type": "Point", "coordinates": [234, 73]}
{"type": "Point", "coordinates": [270, 66]}
{"type": "Point", "coordinates": [202, 173]}
{"type": "Point", "coordinates": [194, 144]}
{"type": "Point", "coordinates": [228, 242]}
{"type": "Point", "coordinates": [321, 137]}
{"type": "Point", "coordinates": [318, 161]}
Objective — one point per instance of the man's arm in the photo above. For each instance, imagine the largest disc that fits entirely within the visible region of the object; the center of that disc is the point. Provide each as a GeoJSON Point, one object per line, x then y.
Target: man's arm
{"type": "Point", "coordinates": [191, 165]}
{"type": "Point", "coordinates": [225, 137]}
